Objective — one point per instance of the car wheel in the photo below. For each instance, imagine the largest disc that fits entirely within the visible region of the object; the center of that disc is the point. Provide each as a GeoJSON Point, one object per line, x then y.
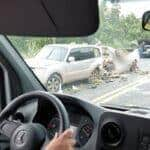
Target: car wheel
{"type": "Point", "coordinates": [95, 76]}
{"type": "Point", "coordinates": [54, 83]}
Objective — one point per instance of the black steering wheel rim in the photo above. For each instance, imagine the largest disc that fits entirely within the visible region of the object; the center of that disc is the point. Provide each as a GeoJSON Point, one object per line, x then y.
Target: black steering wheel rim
{"type": "Point", "coordinates": [11, 108]}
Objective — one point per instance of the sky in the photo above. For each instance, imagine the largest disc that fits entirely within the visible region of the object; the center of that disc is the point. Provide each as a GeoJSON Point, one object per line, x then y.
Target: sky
{"type": "Point", "coordinates": [138, 7]}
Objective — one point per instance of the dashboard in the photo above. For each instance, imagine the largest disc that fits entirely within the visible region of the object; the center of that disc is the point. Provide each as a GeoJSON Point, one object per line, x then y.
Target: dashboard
{"type": "Point", "coordinates": [99, 128]}
{"type": "Point", "coordinates": [80, 121]}
{"type": "Point", "coordinates": [82, 131]}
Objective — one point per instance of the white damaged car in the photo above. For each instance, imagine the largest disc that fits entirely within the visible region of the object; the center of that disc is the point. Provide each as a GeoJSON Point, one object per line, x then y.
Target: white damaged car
{"type": "Point", "coordinates": [63, 63]}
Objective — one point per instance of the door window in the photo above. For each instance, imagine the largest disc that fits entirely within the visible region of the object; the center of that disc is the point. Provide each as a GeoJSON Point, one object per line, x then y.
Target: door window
{"type": "Point", "coordinates": [83, 53]}
{"type": "Point", "coordinates": [87, 53]}
{"type": "Point", "coordinates": [76, 54]}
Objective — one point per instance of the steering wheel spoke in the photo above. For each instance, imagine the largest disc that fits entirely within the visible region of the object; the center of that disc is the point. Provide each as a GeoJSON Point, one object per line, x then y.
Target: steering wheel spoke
{"type": "Point", "coordinates": [7, 127]}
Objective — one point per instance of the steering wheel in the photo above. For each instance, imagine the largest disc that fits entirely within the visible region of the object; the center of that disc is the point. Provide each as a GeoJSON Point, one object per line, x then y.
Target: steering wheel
{"type": "Point", "coordinates": [29, 136]}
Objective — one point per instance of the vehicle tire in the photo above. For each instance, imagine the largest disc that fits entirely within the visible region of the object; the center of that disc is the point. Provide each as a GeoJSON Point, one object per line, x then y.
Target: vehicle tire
{"type": "Point", "coordinates": [95, 76]}
{"type": "Point", "coordinates": [54, 83]}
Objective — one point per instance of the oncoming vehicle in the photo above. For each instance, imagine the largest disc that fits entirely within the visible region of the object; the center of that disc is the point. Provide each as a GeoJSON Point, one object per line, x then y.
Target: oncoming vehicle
{"type": "Point", "coordinates": [37, 56]}
{"type": "Point", "coordinates": [66, 63]}
{"type": "Point", "coordinates": [144, 49]}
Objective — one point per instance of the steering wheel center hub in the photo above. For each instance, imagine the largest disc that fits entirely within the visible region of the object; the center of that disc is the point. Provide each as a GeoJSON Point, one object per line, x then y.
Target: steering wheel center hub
{"type": "Point", "coordinates": [29, 136]}
{"type": "Point", "coordinates": [21, 137]}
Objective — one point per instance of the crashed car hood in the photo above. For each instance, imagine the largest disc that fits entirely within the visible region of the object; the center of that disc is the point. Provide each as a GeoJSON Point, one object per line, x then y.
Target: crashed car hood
{"type": "Point", "coordinates": [40, 63]}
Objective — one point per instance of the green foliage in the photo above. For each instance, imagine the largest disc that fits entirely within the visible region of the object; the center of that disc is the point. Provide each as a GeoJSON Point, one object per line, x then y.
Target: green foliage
{"type": "Point", "coordinates": [120, 31]}
{"type": "Point", "coordinates": [29, 46]}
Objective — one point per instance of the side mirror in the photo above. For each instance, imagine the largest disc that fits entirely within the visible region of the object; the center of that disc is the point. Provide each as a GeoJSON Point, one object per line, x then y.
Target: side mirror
{"type": "Point", "coordinates": [71, 59]}
{"type": "Point", "coordinates": [146, 21]}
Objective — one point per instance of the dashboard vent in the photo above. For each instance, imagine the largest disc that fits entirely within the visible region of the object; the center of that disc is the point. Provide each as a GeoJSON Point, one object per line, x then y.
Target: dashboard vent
{"type": "Point", "coordinates": [111, 134]}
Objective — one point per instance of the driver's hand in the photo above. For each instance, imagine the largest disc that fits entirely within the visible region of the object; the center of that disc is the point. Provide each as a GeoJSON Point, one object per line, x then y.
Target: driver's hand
{"type": "Point", "coordinates": [63, 141]}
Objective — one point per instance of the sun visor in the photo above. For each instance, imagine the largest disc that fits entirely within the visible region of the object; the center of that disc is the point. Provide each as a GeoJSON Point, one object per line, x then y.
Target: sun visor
{"type": "Point", "coordinates": [49, 17]}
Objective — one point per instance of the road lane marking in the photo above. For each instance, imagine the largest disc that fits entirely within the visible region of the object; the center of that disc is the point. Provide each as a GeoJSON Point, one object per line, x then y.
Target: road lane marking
{"type": "Point", "coordinates": [121, 93]}
{"type": "Point", "coordinates": [147, 93]}
{"type": "Point", "coordinates": [111, 95]}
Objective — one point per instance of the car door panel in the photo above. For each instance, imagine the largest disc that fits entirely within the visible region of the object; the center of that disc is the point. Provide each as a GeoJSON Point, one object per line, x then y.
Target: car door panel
{"type": "Point", "coordinates": [82, 67]}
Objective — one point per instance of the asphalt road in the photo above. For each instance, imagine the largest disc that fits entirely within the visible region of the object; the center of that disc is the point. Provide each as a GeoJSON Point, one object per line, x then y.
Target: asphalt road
{"type": "Point", "coordinates": [145, 64]}
{"type": "Point", "coordinates": [133, 89]}
{"type": "Point", "coordinates": [137, 94]}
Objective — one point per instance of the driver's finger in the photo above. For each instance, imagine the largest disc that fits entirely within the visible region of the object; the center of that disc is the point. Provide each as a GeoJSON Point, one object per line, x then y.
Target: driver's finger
{"type": "Point", "coordinates": [68, 133]}
{"type": "Point", "coordinates": [56, 136]}
{"type": "Point", "coordinates": [72, 142]}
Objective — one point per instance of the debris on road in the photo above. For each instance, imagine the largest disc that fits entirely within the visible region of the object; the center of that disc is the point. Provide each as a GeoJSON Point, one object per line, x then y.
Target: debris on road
{"type": "Point", "coordinates": [109, 65]}
{"type": "Point", "coordinates": [134, 66]}
{"type": "Point", "coordinates": [124, 77]}
{"type": "Point", "coordinates": [95, 83]}
{"type": "Point", "coordinates": [140, 72]}
{"type": "Point", "coordinates": [109, 73]}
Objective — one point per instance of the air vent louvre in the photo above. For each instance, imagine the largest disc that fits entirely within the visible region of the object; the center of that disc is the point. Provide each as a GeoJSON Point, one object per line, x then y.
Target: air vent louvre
{"type": "Point", "coordinates": [111, 134]}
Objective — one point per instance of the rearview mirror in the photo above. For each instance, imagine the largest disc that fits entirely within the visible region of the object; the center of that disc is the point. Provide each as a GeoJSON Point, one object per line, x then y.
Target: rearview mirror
{"type": "Point", "coordinates": [51, 18]}
{"type": "Point", "coordinates": [146, 21]}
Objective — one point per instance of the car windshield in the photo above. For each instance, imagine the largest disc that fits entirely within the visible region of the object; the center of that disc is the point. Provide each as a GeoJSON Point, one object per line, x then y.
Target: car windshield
{"type": "Point", "coordinates": [111, 66]}
{"type": "Point", "coordinates": [44, 52]}
{"type": "Point", "coordinates": [58, 54]}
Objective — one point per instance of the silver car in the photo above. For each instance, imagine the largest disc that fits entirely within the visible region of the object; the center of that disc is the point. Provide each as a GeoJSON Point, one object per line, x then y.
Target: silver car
{"type": "Point", "coordinates": [62, 63]}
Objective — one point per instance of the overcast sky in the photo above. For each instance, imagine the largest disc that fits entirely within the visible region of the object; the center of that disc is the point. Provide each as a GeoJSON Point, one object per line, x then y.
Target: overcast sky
{"type": "Point", "coordinates": [138, 7]}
